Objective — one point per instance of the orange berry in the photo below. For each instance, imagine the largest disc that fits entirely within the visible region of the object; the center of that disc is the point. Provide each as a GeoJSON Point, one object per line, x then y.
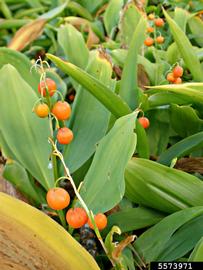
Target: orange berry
{"type": "Point", "coordinates": [178, 71]}
{"type": "Point", "coordinates": [144, 121]}
{"type": "Point", "coordinates": [71, 97]}
{"type": "Point", "coordinates": [150, 29]}
{"type": "Point", "coordinates": [61, 110]}
{"type": "Point", "coordinates": [151, 16]}
{"type": "Point", "coordinates": [178, 81]}
{"type": "Point", "coordinates": [100, 220]}
{"type": "Point", "coordinates": [42, 110]}
{"type": "Point", "coordinates": [76, 217]}
{"type": "Point", "coordinates": [148, 42]}
{"type": "Point", "coordinates": [159, 22]}
{"type": "Point", "coordinates": [50, 85]}
{"type": "Point", "coordinates": [57, 198]}
{"type": "Point", "coordinates": [64, 135]}
{"type": "Point", "coordinates": [160, 39]}
{"type": "Point", "coordinates": [170, 77]}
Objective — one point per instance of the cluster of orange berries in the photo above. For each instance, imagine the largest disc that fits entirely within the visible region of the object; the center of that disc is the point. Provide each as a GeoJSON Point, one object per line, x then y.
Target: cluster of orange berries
{"type": "Point", "coordinates": [58, 199]}
{"type": "Point", "coordinates": [61, 110]}
{"type": "Point", "coordinates": [175, 76]}
{"type": "Point", "coordinates": [158, 22]}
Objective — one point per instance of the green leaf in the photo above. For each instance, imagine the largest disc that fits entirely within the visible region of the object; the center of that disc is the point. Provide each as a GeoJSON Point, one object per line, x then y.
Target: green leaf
{"type": "Point", "coordinates": [181, 241]}
{"type": "Point", "coordinates": [130, 18]}
{"type": "Point", "coordinates": [30, 145]}
{"type": "Point", "coordinates": [21, 63]}
{"type": "Point", "coordinates": [196, 26]}
{"type": "Point", "coordinates": [102, 92]}
{"type": "Point", "coordinates": [188, 91]}
{"type": "Point", "coordinates": [181, 17]}
{"type": "Point", "coordinates": [89, 121]}
{"type": "Point", "coordinates": [159, 130]}
{"type": "Point", "coordinates": [73, 45]}
{"type": "Point", "coordinates": [129, 90]}
{"type": "Point", "coordinates": [54, 12]}
{"type": "Point", "coordinates": [159, 187]}
{"type": "Point", "coordinates": [184, 120]}
{"type": "Point", "coordinates": [110, 245]}
{"type": "Point", "coordinates": [104, 186]}
{"type": "Point", "coordinates": [17, 175]}
{"type": "Point", "coordinates": [112, 15]}
{"type": "Point", "coordinates": [182, 148]}
{"type": "Point", "coordinates": [186, 50]}
{"type": "Point", "coordinates": [90, 5]}
{"type": "Point", "coordinates": [197, 254]}
{"type": "Point", "coordinates": [80, 10]}
{"type": "Point", "coordinates": [165, 98]}
{"type": "Point", "coordinates": [152, 242]}
{"type": "Point", "coordinates": [134, 218]}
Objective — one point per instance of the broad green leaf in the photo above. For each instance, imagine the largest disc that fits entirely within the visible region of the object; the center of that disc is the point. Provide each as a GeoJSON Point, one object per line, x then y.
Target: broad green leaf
{"type": "Point", "coordinates": [90, 5]}
{"type": "Point", "coordinates": [34, 3]}
{"type": "Point", "coordinates": [129, 89]}
{"type": "Point", "coordinates": [112, 15]}
{"type": "Point", "coordinates": [104, 185]}
{"type": "Point", "coordinates": [25, 230]}
{"type": "Point", "coordinates": [80, 10]}
{"type": "Point", "coordinates": [128, 22]}
{"type": "Point", "coordinates": [196, 27]}
{"type": "Point", "coordinates": [142, 141]}
{"type": "Point", "coordinates": [182, 148]}
{"type": "Point", "coordinates": [186, 50]}
{"type": "Point", "coordinates": [184, 120]}
{"type": "Point", "coordinates": [134, 218]}
{"type": "Point", "coordinates": [54, 12]}
{"type": "Point", "coordinates": [31, 12]}
{"type": "Point", "coordinates": [21, 63]}
{"type": "Point", "coordinates": [181, 17]}
{"type": "Point", "coordinates": [152, 242]}
{"type": "Point", "coordinates": [181, 241]}
{"type": "Point", "coordinates": [165, 98]}
{"type": "Point", "coordinates": [197, 254]}
{"type": "Point", "coordinates": [9, 24]}
{"type": "Point", "coordinates": [159, 131]}
{"type": "Point", "coordinates": [73, 45]}
{"type": "Point", "coordinates": [24, 133]}
{"type": "Point", "coordinates": [192, 92]}
{"type": "Point", "coordinates": [159, 187]}
{"type": "Point", "coordinates": [17, 175]}
{"type": "Point", "coordinates": [102, 92]}
{"type": "Point", "coordinates": [89, 121]}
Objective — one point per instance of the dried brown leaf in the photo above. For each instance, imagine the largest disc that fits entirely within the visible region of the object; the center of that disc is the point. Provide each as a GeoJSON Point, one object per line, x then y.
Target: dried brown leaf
{"type": "Point", "coordinates": [26, 34]}
{"type": "Point", "coordinates": [120, 247]}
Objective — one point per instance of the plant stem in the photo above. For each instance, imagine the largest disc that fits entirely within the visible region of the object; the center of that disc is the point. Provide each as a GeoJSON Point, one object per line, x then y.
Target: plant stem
{"type": "Point", "coordinates": [89, 213]}
{"type": "Point", "coordinates": [62, 218]}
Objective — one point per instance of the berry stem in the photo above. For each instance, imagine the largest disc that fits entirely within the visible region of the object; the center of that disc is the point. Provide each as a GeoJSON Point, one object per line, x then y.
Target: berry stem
{"type": "Point", "coordinates": [90, 214]}
{"type": "Point", "coordinates": [62, 218]}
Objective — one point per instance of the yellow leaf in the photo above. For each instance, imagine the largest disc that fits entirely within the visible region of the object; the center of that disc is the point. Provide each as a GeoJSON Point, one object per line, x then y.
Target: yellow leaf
{"type": "Point", "coordinates": [29, 239]}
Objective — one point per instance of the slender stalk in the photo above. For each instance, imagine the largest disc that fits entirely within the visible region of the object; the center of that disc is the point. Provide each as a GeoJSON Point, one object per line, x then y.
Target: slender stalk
{"type": "Point", "coordinates": [62, 218]}
{"type": "Point", "coordinates": [90, 214]}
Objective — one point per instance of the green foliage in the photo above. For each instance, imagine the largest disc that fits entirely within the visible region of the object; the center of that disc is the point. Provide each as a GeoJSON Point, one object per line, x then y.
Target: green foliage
{"type": "Point", "coordinates": [104, 185]}
{"type": "Point", "coordinates": [154, 241]}
{"type": "Point", "coordinates": [90, 119]}
{"type": "Point", "coordinates": [27, 144]}
{"type": "Point", "coordinates": [160, 187]}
